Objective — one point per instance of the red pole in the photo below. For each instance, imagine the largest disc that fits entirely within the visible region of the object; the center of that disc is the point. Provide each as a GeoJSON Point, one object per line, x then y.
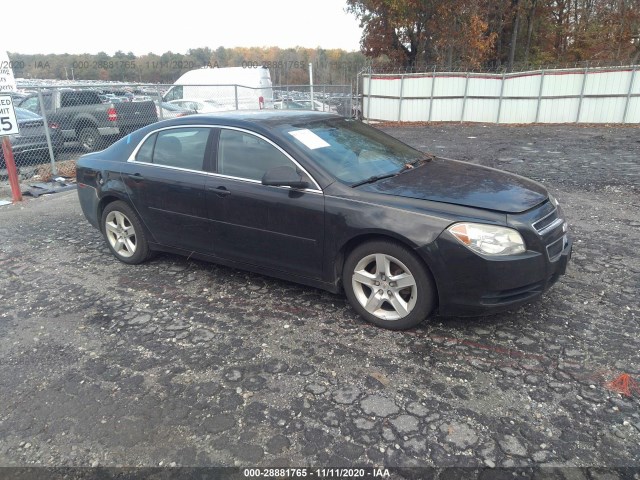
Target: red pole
{"type": "Point", "coordinates": [11, 170]}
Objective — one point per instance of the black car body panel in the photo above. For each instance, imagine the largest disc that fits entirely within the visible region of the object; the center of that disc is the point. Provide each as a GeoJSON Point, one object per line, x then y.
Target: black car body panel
{"type": "Point", "coordinates": [461, 183]}
{"type": "Point", "coordinates": [304, 234]}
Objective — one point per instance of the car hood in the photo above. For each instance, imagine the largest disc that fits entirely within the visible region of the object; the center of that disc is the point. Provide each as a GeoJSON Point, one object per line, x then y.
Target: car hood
{"type": "Point", "coordinates": [462, 183]}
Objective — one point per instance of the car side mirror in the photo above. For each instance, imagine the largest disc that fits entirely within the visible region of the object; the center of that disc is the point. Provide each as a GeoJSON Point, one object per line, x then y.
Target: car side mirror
{"type": "Point", "coordinates": [284, 176]}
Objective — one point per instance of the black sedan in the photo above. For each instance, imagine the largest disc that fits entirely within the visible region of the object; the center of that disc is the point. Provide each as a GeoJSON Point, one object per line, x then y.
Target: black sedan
{"type": "Point", "coordinates": [329, 202]}
{"type": "Point", "coordinates": [30, 145]}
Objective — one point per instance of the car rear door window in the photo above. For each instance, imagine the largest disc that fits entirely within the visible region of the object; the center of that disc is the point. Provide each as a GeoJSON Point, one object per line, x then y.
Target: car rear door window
{"type": "Point", "coordinates": [244, 155]}
{"type": "Point", "coordinates": [179, 147]}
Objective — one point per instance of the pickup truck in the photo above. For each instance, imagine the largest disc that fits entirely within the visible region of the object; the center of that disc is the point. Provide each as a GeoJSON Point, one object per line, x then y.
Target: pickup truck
{"type": "Point", "coordinates": [82, 117]}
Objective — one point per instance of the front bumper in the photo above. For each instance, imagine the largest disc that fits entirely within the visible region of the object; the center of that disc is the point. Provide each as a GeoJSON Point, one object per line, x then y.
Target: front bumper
{"type": "Point", "coordinates": [472, 284]}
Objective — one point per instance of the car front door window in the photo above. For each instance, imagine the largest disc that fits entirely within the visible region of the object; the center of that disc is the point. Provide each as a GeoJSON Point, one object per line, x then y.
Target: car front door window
{"type": "Point", "coordinates": [247, 156]}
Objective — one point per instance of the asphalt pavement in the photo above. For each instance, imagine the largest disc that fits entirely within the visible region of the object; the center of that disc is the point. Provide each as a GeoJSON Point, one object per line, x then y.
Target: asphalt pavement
{"type": "Point", "coordinates": [178, 362]}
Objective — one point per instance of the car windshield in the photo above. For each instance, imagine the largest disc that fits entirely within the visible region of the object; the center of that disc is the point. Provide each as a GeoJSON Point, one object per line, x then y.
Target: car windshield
{"type": "Point", "coordinates": [352, 151]}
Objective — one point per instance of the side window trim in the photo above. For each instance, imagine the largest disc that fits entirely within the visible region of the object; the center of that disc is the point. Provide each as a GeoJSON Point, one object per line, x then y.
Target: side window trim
{"type": "Point", "coordinates": [132, 158]}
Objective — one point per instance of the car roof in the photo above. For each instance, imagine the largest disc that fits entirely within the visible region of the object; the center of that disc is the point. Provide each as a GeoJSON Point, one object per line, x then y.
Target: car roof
{"type": "Point", "coordinates": [265, 118]}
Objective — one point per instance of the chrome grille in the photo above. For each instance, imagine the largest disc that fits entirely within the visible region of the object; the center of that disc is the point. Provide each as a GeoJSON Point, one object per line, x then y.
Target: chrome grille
{"type": "Point", "coordinates": [548, 222]}
{"type": "Point", "coordinates": [547, 228]}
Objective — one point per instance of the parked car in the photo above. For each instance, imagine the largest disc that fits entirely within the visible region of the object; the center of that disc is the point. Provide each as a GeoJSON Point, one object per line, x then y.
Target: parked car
{"type": "Point", "coordinates": [82, 116]}
{"type": "Point", "coordinates": [200, 106]}
{"type": "Point", "coordinates": [289, 104]}
{"type": "Point", "coordinates": [172, 111]}
{"type": "Point", "coordinates": [142, 98]}
{"type": "Point", "coordinates": [330, 202]}
{"type": "Point", "coordinates": [30, 145]}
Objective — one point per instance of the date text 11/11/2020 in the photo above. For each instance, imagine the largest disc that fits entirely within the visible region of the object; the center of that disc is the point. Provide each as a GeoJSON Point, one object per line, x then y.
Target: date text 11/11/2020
{"type": "Point", "coordinates": [336, 473]}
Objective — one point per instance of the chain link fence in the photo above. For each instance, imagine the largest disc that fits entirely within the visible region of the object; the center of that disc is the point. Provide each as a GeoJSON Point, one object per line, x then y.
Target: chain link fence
{"type": "Point", "coordinates": [60, 122]}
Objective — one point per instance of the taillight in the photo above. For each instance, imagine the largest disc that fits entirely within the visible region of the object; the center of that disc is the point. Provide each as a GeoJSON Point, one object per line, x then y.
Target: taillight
{"type": "Point", "coordinates": [112, 115]}
{"type": "Point", "coordinates": [54, 125]}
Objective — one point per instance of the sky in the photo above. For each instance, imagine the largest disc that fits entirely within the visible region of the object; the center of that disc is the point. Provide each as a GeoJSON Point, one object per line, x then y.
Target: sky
{"type": "Point", "coordinates": [144, 26]}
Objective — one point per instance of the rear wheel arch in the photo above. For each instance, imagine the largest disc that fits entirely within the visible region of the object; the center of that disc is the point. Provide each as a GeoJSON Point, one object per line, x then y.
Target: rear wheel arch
{"type": "Point", "coordinates": [104, 201]}
{"type": "Point", "coordinates": [84, 122]}
{"type": "Point", "coordinates": [124, 233]}
{"type": "Point", "coordinates": [110, 198]}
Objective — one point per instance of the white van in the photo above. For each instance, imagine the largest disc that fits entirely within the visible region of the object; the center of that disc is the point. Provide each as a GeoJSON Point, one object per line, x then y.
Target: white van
{"type": "Point", "coordinates": [234, 87]}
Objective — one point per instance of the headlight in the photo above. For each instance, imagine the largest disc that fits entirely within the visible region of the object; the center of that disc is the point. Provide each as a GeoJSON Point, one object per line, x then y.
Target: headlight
{"type": "Point", "coordinates": [554, 201]}
{"type": "Point", "coordinates": [488, 239]}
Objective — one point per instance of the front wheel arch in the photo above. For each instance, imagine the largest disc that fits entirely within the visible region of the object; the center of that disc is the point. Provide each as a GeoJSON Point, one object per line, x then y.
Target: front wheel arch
{"type": "Point", "coordinates": [355, 242]}
{"type": "Point", "coordinates": [393, 288]}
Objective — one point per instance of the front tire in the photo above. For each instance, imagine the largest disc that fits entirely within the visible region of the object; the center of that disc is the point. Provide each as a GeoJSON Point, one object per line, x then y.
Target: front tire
{"type": "Point", "coordinates": [388, 285]}
{"type": "Point", "coordinates": [124, 233]}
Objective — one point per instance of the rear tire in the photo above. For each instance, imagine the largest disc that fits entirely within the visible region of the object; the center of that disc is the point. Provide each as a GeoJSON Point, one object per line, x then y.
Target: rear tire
{"type": "Point", "coordinates": [90, 139]}
{"type": "Point", "coordinates": [388, 285]}
{"type": "Point", "coordinates": [124, 233]}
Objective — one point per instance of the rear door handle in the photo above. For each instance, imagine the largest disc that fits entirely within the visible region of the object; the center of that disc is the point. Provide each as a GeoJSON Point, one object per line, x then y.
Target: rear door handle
{"type": "Point", "coordinates": [136, 177]}
{"type": "Point", "coordinates": [220, 191]}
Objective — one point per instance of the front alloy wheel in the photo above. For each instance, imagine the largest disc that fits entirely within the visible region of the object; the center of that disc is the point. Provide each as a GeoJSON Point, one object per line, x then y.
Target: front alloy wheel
{"type": "Point", "coordinates": [384, 286]}
{"type": "Point", "coordinates": [388, 285]}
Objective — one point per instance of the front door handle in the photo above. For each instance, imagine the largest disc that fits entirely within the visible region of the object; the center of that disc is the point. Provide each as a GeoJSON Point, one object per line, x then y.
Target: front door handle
{"type": "Point", "coordinates": [220, 191]}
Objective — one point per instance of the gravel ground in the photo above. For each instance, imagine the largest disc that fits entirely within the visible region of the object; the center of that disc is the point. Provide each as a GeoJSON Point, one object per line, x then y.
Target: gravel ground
{"type": "Point", "coordinates": [180, 362]}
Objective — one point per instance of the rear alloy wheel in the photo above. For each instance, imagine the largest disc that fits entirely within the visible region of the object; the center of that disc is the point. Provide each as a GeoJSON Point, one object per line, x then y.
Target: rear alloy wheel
{"type": "Point", "coordinates": [124, 233]}
{"type": "Point", "coordinates": [89, 139]}
{"type": "Point", "coordinates": [388, 285]}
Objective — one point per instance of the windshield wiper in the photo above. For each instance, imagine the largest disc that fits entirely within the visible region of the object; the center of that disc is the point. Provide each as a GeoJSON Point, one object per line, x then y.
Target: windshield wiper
{"type": "Point", "coordinates": [373, 179]}
{"type": "Point", "coordinates": [407, 166]}
{"type": "Point", "coordinates": [418, 162]}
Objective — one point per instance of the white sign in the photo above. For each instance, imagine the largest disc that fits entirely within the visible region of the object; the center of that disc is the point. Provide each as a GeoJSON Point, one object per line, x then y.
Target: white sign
{"type": "Point", "coordinates": [8, 122]}
{"type": "Point", "coordinates": [309, 139]}
{"type": "Point", "coordinates": [7, 81]}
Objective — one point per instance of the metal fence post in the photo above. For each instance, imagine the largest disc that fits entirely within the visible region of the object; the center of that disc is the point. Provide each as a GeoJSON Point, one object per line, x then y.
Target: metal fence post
{"type": "Point", "coordinates": [369, 95]}
{"type": "Point", "coordinates": [464, 100]}
{"type": "Point", "coordinates": [584, 82]}
{"type": "Point", "coordinates": [433, 85]}
{"type": "Point", "coordinates": [235, 95]}
{"type": "Point", "coordinates": [351, 100]}
{"type": "Point", "coordinates": [500, 101]}
{"type": "Point", "coordinates": [47, 134]}
{"type": "Point", "coordinates": [324, 97]}
{"type": "Point", "coordinates": [539, 97]}
{"type": "Point", "coordinates": [626, 105]}
{"type": "Point", "coordinates": [160, 113]}
{"type": "Point", "coordinates": [400, 100]}
{"type": "Point", "coordinates": [311, 82]}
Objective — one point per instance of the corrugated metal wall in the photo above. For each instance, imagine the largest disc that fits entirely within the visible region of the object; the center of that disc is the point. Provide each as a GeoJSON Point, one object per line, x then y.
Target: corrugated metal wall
{"type": "Point", "coordinates": [546, 96]}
